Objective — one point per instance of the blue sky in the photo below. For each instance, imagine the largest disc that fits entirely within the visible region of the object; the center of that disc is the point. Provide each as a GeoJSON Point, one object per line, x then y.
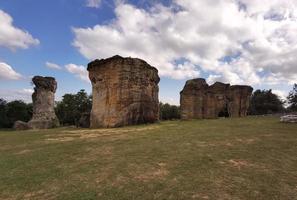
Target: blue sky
{"type": "Point", "coordinates": [59, 37]}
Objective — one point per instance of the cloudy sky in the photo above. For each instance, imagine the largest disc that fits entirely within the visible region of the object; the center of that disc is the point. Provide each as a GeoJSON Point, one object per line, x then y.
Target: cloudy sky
{"type": "Point", "coordinates": [234, 41]}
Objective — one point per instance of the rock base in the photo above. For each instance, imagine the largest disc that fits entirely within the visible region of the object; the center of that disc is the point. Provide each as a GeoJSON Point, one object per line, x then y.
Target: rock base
{"type": "Point", "coordinates": [43, 124]}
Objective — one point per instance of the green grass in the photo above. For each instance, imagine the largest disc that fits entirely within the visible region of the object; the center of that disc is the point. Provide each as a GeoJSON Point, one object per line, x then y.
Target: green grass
{"type": "Point", "coordinates": [251, 158]}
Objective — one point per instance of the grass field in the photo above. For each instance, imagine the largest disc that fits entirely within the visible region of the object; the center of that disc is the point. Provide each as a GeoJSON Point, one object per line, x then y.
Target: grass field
{"type": "Point", "coordinates": [251, 158]}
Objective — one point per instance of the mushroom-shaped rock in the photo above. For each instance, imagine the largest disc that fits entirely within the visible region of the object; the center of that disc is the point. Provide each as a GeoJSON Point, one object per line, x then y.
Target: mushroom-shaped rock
{"type": "Point", "coordinates": [44, 116]}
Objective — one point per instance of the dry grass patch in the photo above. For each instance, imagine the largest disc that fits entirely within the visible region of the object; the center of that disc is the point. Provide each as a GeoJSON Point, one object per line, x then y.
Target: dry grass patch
{"type": "Point", "coordinates": [115, 133]}
{"type": "Point", "coordinates": [25, 151]}
{"type": "Point", "coordinates": [158, 172]}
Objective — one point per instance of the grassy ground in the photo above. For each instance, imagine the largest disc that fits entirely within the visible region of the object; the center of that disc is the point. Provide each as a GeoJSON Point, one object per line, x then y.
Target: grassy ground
{"type": "Point", "coordinates": [251, 158]}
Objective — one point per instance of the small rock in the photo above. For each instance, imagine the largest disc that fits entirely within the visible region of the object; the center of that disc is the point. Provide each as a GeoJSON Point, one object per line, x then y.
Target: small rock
{"type": "Point", "coordinates": [20, 126]}
{"type": "Point", "coordinates": [289, 119]}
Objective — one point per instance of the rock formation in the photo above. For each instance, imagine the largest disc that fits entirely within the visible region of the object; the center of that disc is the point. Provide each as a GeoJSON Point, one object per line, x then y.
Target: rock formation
{"type": "Point", "coordinates": [44, 116]}
{"type": "Point", "coordinates": [289, 119]}
{"type": "Point", "coordinates": [201, 101]}
{"type": "Point", "coordinates": [125, 92]}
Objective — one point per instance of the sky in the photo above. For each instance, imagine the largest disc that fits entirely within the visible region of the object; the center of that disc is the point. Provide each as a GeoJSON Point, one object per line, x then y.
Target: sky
{"type": "Point", "coordinates": [246, 42]}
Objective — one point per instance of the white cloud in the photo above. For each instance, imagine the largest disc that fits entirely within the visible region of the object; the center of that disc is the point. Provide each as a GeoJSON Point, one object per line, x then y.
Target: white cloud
{"type": "Point", "coordinates": [22, 94]}
{"type": "Point", "coordinates": [12, 37]}
{"type": "Point", "coordinates": [171, 101]}
{"type": "Point", "coordinates": [79, 71]}
{"type": "Point", "coordinates": [282, 94]}
{"type": "Point", "coordinates": [53, 66]}
{"type": "Point", "coordinates": [237, 41]}
{"type": "Point", "coordinates": [8, 73]}
{"type": "Point", "coordinates": [93, 3]}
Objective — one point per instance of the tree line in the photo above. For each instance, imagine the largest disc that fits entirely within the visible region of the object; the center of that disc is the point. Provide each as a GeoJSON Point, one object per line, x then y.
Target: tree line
{"type": "Point", "coordinates": [73, 106]}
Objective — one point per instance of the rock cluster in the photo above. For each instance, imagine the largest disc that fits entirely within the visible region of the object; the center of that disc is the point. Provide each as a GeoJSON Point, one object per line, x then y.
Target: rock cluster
{"type": "Point", "coordinates": [201, 101]}
{"type": "Point", "coordinates": [125, 92]}
{"type": "Point", "coordinates": [289, 119]}
{"type": "Point", "coordinates": [44, 116]}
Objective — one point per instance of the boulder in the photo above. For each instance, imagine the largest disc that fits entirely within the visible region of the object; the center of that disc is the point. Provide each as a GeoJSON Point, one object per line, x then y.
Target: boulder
{"type": "Point", "coordinates": [289, 119]}
{"type": "Point", "coordinates": [20, 126]}
{"type": "Point", "coordinates": [44, 116]}
{"type": "Point", "coordinates": [201, 101]}
{"type": "Point", "coordinates": [125, 92]}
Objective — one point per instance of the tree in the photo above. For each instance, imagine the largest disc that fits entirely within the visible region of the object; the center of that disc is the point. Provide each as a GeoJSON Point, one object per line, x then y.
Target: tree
{"type": "Point", "coordinates": [3, 117]}
{"type": "Point", "coordinates": [265, 102]}
{"type": "Point", "coordinates": [18, 110]}
{"type": "Point", "coordinates": [292, 99]}
{"type": "Point", "coordinates": [72, 106]}
{"type": "Point", "coordinates": [169, 112]}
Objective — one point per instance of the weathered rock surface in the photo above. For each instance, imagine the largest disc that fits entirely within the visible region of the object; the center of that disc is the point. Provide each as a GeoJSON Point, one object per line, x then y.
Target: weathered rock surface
{"type": "Point", "coordinates": [289, 119]}
{"type": "Point", "coordinates": [201, 101]}
{"type": "Point", "coordinates": [44, 116]}
{"type": "Point", "coordinates": [125, 92]}
{"type": "Point", "coordinates": [21, 126]}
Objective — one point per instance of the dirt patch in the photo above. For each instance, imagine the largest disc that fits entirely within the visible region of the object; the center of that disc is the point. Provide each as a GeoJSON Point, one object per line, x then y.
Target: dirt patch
{"type": "Point", "coordinates": [60, 139]}
{"type": "Point", "coordinates": [246, 141]}
{"type": "Point", "coordinates": [240, 163]}
{"type": "Point", "coordinates": [267, 135]}
{"type": "Point", "coordinates": [200, 196]}
{"type": "Point", "coordinates": [25, 151]}
{"type": "Point", "coordinates": [40, 194]}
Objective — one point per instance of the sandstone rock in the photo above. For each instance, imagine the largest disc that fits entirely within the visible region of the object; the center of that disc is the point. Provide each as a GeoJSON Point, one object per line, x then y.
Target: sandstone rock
{"type": "Point", "coordinates": [201, 101]}
{"type": "Point", "coordinates": [44, 116]}
{"type": "Point", "coordinates": [20, 126]}
{"type": "Point", "coordinates": [289, 119]}
{"type": "Point", "coordinates": [125, 92]}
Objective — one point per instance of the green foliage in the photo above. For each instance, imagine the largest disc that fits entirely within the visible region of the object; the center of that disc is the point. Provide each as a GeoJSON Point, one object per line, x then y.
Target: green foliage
{"type": "Point", "coordinates": [265, 102]}
{"type": "Point", "coordinates": [14, 111]}
{"type": "Point", "coordinates": [72, 106]}
{"type": "Point", "coordinates": [3, 116]}
{"type": "Point", "coordinates": [169, 112]}
{"type": "Point", "coordinates": [292, 99]}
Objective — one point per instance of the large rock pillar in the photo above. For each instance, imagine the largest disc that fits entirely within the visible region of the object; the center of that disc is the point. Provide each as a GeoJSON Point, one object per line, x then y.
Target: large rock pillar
{"type": "Point", "coordinates": [125, 92]}
{"type": "Point", "coordinates": [44, 116]}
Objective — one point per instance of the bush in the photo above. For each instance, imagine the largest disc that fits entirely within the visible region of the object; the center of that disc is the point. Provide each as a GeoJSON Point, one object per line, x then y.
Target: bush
{"type": "Point", "coordinates": [169, 112]}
